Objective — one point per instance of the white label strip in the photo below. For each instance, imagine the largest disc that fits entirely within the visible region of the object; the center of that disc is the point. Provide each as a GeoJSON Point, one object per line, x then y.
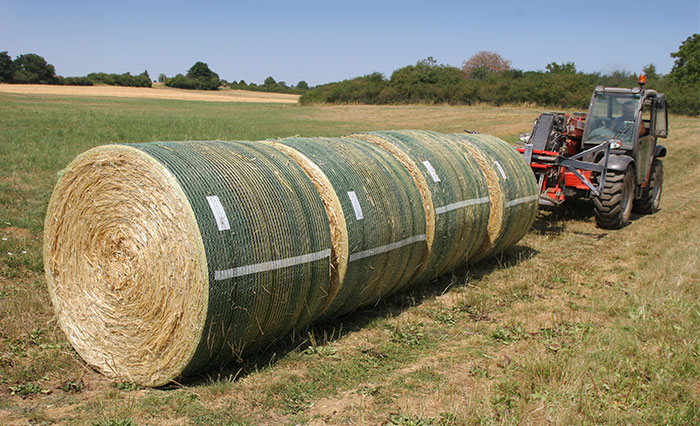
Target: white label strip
{"type": "Point", "coordinates": [500, 169]}
{"type": "Point", "coordinates": [521, 200]}
{"type": "Point", "coordinates": [432, 171]}
{"type": "Point", "coordinates": [460, 204]}
{"type": "Point", "coordinates": [218, 211]}
{"type": "Point", "coordinates": [383, 249]}
{"type": "Point", "coordinates": [356, 205]}
{"type": "Point", "coordinates": [269, 266]}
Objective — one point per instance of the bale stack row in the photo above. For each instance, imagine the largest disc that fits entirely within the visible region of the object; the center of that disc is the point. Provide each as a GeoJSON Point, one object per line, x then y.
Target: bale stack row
{"type": "Point", "coordinates": [165, 258]}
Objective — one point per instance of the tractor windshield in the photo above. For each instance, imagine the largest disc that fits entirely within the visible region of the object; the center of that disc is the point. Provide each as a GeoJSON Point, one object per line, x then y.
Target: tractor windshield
{"type": "Point", "coordinates": [612, 116]}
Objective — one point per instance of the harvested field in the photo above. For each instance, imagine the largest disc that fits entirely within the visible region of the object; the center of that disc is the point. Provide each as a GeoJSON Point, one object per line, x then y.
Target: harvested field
{"type": "Point", "coordinates": [573, 325]}
{"type": "Point", "coordinates": [158, 91]}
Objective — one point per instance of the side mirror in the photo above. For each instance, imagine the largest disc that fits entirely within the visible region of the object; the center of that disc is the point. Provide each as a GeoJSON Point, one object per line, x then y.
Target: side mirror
{"type": "Point", "coordinates": [661, 124]}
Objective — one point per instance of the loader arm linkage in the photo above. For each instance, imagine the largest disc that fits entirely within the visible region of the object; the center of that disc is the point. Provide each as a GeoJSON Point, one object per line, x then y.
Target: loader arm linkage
{"type": "Point", "coordinates": [570, 171]}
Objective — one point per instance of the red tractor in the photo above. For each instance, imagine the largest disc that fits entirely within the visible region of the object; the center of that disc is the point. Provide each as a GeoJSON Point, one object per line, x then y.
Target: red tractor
{"type": "Point", "coordinates": [608, 155]}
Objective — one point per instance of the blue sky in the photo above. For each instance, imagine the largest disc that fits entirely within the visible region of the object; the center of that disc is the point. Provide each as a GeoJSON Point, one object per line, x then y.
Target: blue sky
{"type": "Point", "coordinates": [323, 41]}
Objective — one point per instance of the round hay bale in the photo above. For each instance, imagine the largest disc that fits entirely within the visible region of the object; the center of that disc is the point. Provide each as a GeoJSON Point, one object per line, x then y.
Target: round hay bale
{"type": "Point", "coordinates": [455, 186]}
{"type": "Point", "coordinates": [164, 258]}
{"type": "Point", "coordinates": [383, 212]}
{"type": "Point", "coordinates": [512, 188]}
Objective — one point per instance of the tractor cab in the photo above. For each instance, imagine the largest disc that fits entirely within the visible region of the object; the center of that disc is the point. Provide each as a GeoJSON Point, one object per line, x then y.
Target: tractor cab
{"type": "Point", "coordinates": [612, 116]}
{"type": "Point", "coordinates": [630, 119]}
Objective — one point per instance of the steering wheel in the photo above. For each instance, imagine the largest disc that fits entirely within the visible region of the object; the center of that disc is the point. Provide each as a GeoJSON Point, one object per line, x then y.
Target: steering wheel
{"type": "Point", "coordinates": [602, 132]}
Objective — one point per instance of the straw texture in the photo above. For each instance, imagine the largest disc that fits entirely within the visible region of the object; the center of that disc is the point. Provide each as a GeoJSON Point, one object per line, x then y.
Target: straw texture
{"type": "Point", "coordinates": [512, 188]}
{"type": "Point", "coordinates": [163, 259]}
{"type": "Point", "coordinates": [336, 218]}
{"type": "Point", "coordinates": [456, 187]}
{"type": "Point", "coordinates": [383, 212]}
{"type": "Point", "coordinates": [118, 232]}
{"type": "Point", "coordinates": [267, 263]}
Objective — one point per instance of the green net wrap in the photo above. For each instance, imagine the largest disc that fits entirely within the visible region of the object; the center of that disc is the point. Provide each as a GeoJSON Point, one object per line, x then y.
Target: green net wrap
{"type": "Point", "coordinates": [269, 268]}
{"type": "Point", "coordinates": [458, 191]}
{"type": "Point", "coordinates": [514, 184]}
{"type": "Point", "coordinates": [164, 259]}
{"type": "Point", "coordinates": [383, 212]}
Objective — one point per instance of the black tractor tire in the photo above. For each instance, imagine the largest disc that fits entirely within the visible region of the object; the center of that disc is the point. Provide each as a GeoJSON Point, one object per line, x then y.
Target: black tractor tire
{"type": "Point", "coordinates": [650, 198]}
{"type": "Point", "coordinates": [613, 207]}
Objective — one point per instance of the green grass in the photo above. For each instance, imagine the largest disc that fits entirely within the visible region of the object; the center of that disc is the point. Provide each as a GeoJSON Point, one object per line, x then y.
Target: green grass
{"type": "Point", "coordinates": [574, 325]}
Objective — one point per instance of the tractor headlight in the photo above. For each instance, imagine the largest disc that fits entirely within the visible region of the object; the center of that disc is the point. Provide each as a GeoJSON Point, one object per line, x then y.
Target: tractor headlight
{"type": "Point", "coordinates": [524, 137]}
{"type": "Point", "coordinates": [615, 143]}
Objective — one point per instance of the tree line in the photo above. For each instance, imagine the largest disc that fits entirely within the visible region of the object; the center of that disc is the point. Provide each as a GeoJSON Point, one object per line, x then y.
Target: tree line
{"type": "Point", "coordinates": [201, 77]}
{"type": "Point", "coordinates": [31, 68]}
{"type": "Point", "coordinates": [488, 78]}
{"type": "Point", "coordinates": [485, 78]}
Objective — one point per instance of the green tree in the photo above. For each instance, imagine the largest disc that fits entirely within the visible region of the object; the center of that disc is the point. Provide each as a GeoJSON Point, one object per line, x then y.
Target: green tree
{"type": "Point", "coordinates": [303, 85]}
{"type": "Point", "coordinates": [686, 68]}
{"type": "Point", "coordinates": [269, 82]}
{"type": "Point", "coordinates": [5, 67]}
{"type": "Point", "coordinates": [568, 67]}
{"type": "Point", "coordinates": [32, 68]}
{"type": "Point", "coordinates": [162, 78]}
{"type": "Point", "coordinates": [650, 72]}
{"type": "Point", "coordinates": [429, 62]}
{"type": "Point", "coordinates": [480, 73]}
{"type": "Point", "coordinates": [181, 82]}
{"type": "Point", "coordinates": [199, 70]}
{"type": "Point", "coordinates": [202, 77]}
{"type": "Point", "coordinates": [425, 82]}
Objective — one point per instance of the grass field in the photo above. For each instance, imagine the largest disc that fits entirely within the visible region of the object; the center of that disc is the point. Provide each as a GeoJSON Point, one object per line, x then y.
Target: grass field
{"type": "Point", "coordinates": [574, 325]}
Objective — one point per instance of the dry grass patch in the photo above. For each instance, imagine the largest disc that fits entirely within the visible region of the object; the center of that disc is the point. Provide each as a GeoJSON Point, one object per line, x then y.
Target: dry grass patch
{"type": "Point", "coordinates": [573, 325]}
{"type": "Point", "coordinates": [156, 92]}
{"type": "Point", "coordinates": [505, 122]}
